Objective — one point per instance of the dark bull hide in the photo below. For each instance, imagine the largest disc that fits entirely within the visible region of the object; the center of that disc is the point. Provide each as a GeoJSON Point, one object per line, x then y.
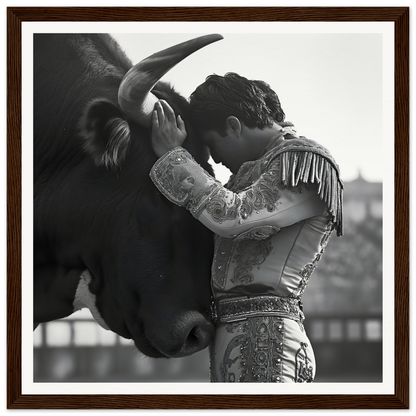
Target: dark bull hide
{"type": "Point", "coordinates": [95, 206]}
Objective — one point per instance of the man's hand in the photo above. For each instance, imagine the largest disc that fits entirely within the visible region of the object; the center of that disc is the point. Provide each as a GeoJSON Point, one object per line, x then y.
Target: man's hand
{"type": "Point", "coordinates": [168, 131]}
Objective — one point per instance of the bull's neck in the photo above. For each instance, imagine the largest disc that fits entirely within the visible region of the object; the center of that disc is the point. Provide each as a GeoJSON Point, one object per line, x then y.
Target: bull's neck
{"type": "Point", "coordinates": [85, 299]}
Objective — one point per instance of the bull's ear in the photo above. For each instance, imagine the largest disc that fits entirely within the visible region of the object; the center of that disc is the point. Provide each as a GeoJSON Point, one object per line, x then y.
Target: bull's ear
{"type": "Point", "coordinates": [106, 133]}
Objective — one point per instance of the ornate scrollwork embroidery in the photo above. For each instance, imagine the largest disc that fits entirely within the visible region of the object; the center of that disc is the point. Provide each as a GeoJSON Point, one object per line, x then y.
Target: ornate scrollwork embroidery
{"type": "Point", "coordinates": [259, 233]}
{"type": "Point", "coordinates": [220, 209]}
{"type": "Point", "coordinates": [303, 366]}
{"type": "Point", "coordinates": [249, 253]}
{"type": "Point", "coordinates": [306, 274]}
{"type": "Point", "coordinates": [309, 268]}
{"type": "Point", "coordinates": [252, 249]}
{"type": "Point", "coordinates": [197, 204]}
{"type": "Point", "coordinates": [263, 194]}
{"type": "Point", "coordinates": [241, 343]}
{"type": "Point", "coordinates": [327, 235]}
{"type": "Point", "coordinates": [255, 352]}
{"type": "Point", "coordinates": [182, 181]}
{"type": "Point", "coordinates": [222, 259]}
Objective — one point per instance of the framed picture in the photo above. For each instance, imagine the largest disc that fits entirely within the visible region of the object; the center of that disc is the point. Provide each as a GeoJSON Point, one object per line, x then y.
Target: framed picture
{"type": "Point", "coordinates": [342, 75]}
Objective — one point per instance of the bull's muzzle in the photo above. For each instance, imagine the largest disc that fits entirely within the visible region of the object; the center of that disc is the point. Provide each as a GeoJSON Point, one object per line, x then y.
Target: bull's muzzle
{"type": "Point", "coordinates": [134, 94]}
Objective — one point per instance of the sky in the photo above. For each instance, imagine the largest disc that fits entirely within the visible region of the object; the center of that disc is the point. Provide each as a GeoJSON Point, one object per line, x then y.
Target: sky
{"type": "Point", "coordinates": [330, 84]}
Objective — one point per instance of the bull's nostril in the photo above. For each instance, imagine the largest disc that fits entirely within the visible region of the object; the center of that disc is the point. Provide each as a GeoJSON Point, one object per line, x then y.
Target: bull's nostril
{"type": "Point", "coordinates": [196, 335]}
{"type": "Point", "coordinates": [193, 339]}
{"type": "Point", "coordinates": [190, 333]}
{"type": "Point", "coordinates": [199, 337]}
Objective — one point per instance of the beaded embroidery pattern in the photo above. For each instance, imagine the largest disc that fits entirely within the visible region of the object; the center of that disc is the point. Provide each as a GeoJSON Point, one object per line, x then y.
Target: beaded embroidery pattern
{"type": "Point", "coordinates": [182, 181]}
{"type": "Point", "coordinates": [221, 261]}
{"type": "Point", "coordinates": [219, 209]}
{"type": "Point", "coordinates": [303, 367]}
{"type": "Point", "coordinates": [249, 253]}
{"type": "Point", "coordinates": [264, 193]}
{"type": "Point", "coordinates": [258, 347]}
{"type": "Point", "coordinates": [309, 268]}
{"type": "Point", "coordinates": [237, 308]}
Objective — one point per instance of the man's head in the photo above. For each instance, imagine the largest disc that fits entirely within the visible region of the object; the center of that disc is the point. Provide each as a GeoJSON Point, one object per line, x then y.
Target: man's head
{"type": "Point", "coordinates": [254, 103]}
{"type": "Point", "coordinates": [234, 116]}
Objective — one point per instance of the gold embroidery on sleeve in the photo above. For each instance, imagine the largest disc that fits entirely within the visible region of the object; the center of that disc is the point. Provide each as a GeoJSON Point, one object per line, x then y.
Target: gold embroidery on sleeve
{"type": "Point", "coordinates": [182, 181]}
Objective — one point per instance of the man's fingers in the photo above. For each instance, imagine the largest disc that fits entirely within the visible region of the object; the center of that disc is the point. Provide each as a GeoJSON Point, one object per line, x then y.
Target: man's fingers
{"type": "Point", "coordinates": [160, 113]}
{"type": "Point", "coordinates": [170, 114]}
{"type": "Point", "coordinates": [181, 124]}
{"type": "Point", "coordinates": [155, 120]}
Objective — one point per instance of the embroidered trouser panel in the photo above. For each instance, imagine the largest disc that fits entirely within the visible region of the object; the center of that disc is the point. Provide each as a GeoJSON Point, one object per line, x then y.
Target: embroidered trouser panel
{"type": "Point", "coordinates": [262, 349]}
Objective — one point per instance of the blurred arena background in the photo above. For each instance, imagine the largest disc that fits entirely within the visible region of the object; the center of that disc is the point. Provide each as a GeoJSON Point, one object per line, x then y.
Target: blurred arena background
{"type": "Point", "coordinates": [343, 308]}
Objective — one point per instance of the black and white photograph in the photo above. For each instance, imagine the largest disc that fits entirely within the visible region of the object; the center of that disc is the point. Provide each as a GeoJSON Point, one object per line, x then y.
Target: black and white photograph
{"type": "Point", "coordinates": [208, 203]}
{"type": "Point", "coordinates": [274, 275]}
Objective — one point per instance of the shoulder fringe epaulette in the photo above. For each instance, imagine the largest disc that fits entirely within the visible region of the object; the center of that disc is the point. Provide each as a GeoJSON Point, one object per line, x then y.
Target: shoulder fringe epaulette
{"type": "Point", "coordinates": [315, 165]}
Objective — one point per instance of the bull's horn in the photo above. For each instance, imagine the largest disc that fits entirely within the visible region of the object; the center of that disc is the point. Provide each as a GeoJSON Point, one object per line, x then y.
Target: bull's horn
{"type": "Point", "coordinates": [134, 94]}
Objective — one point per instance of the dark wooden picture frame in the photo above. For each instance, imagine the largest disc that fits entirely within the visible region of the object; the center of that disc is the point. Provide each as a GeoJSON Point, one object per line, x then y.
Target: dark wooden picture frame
{"type": "Point", "coordinates": [16, 400]}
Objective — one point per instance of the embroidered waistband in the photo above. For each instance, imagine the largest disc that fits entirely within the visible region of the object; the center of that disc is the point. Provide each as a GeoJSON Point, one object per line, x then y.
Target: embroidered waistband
{"type": "Point", "coordinates": [235, 309]}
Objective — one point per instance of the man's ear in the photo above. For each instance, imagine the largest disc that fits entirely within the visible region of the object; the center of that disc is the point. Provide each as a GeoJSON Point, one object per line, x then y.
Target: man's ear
{"type": "Point", "coordinates": [233, 126]}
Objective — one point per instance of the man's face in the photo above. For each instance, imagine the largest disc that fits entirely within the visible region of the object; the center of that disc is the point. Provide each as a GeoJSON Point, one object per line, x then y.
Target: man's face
{"type": "Point", "coordinates": [228, 150]}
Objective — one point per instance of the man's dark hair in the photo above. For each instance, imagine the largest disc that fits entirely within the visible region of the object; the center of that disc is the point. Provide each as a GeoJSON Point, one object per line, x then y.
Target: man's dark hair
{"type": "Point", "coordinates": [253, 102]}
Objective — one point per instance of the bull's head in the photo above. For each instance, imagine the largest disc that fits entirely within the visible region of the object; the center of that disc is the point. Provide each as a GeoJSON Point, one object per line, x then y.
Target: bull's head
{"type": "Point", "coordinates": [154, 284]}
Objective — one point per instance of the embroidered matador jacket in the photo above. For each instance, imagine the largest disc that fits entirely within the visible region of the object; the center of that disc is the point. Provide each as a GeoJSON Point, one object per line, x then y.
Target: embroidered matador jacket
{"type": "Point", "coordinates": [272, 223]}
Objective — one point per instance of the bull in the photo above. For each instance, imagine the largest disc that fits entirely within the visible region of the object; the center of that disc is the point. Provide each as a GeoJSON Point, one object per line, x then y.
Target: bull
{"type": "Point", "coordinates": [95, 206]}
